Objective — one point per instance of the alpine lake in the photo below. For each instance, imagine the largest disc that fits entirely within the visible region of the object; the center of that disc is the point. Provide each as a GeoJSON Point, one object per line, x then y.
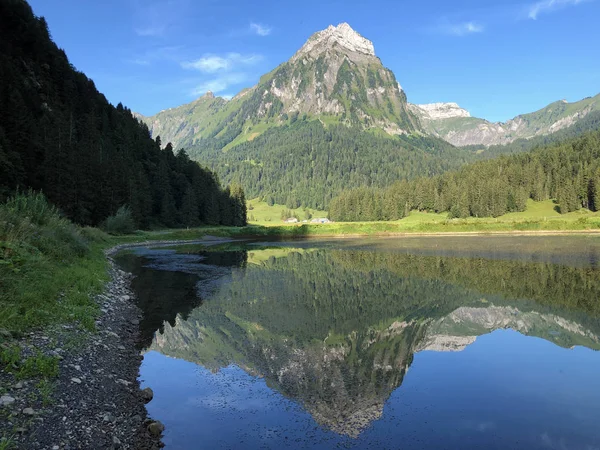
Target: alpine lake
{"type": "Point", "coordinates": [376, 343]}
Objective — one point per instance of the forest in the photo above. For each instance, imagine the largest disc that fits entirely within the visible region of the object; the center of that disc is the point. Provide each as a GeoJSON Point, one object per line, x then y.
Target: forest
{"type": "Point", "coordinates": [305, 163]}
{"type": "Point", "coordinates": [568, 172]}
{"type": "Point", "coordinates": [60, 136]}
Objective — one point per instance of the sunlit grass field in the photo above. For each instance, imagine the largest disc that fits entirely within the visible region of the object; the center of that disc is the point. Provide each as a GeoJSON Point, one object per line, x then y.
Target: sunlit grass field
{"type": "Point", "coordinates": [261, 213]}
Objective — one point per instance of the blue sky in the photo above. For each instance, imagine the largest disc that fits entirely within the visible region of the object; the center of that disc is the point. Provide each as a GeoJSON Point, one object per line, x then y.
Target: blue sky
{"type": "Point", "coordinates": [495, 58]}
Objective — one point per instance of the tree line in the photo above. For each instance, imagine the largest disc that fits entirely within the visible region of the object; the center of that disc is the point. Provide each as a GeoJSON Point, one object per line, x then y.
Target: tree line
{"type": "Point", "coordinates": [59, 135]}
{"type": "Point", "coordinates": [568, 172]}
{"type": "Point", "coordinates": [304, 163]}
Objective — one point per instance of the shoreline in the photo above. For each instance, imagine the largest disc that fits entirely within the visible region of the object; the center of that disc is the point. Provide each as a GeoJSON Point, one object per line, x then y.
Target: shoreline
{"type": "Point", "coordinates": [456, 233]}
{"type": "Point", "coordinates": [95, 401]}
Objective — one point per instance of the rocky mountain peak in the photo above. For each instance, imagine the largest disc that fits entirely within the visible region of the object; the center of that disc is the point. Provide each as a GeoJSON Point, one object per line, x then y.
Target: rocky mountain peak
{"type": "Point", "coordinates": [209, 94]}
{"type": "Point", "coordinates": [437, 111]}
{"type": "Point", "coordinates": [342, 35]}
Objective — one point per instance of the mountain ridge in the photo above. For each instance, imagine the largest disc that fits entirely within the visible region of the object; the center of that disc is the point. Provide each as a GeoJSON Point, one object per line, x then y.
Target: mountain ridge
{"type": "Point", "coordinates": [463, 129]}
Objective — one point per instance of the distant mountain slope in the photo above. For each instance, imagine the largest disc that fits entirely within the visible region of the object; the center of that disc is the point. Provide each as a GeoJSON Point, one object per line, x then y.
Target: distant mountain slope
{"type": "Point", "coordinates": [455, 125]}
{"type": "Point", "coordinates": [335, 76]}
{"type": "Point", "coordinates": [180, 125]}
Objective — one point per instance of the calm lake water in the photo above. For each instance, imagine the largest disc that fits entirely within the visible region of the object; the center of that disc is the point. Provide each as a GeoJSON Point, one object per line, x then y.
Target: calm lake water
{"type": "Point", "coordinates": [412, 343]}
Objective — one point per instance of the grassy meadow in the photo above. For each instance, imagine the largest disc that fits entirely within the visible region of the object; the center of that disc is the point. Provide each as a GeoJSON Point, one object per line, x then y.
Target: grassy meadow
{"type": "Point", "coordinates": [261, 213]}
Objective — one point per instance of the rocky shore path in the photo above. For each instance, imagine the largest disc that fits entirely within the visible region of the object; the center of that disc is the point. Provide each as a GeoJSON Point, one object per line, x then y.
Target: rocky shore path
{"type": "Point", "coordinates": [95, 401]}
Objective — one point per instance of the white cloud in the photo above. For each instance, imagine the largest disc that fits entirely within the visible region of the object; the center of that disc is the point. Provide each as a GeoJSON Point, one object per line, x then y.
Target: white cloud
{"type": "Point", "coordinates": [261, 30]}
{"type": "Point", "coordinates": [547, 6]}
{"type": "Point", "coordinates": [219, 84]}
{"type": "Point", "coordinates": [210, 63]}
{"type": "Point", "coordinates": [463, 29]}
{"type": "Point", "coordinates": [154, 31]}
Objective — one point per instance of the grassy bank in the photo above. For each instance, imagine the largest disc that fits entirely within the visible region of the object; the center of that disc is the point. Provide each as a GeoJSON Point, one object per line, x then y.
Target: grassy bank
{"type": "Point", "coordinates": [465, 226]}
{"type": "Point", "coordinates": [48, 266]}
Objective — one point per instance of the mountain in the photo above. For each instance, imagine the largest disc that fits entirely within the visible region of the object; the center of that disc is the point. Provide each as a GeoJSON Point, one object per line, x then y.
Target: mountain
{"type": "Point", "coordinates": [456, 126]}
{"type": "Point", "coordinates": [331, 118]}
{"type": "Point", "coordinates": [334, 118]}
{"type": "Point", "coordinates": [179, 125]}
{"type": "Point", "coordinates": [335, 76]}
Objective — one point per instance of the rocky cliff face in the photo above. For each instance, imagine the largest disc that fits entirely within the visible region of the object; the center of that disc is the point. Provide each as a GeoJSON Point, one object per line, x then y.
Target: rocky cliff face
{"type": "Point", "coordinates": [337, 73]}
{"type": "Point", "coordinates": [439, 111]}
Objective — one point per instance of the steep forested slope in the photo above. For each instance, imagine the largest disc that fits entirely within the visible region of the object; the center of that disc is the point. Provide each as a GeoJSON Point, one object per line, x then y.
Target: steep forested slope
{"type": "Point", "coordinates": [568, 172]}
{"type": "Point", "coordinates": [307, 163]}
{"type": "Point", "coordinates": [60, 135]}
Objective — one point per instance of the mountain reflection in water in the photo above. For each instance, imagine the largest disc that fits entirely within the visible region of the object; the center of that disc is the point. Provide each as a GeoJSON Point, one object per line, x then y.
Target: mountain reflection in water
{"type": "Point", "coordinates": [337, 329]}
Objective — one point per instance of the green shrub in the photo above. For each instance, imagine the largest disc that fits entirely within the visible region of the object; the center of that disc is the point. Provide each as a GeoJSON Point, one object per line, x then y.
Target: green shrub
{"type": "Point", "coordinates": [93, 234]}
{"type": "Point", "coordinates": [28, 221]}
{"type": "Point", "coordinates": [121, 223]}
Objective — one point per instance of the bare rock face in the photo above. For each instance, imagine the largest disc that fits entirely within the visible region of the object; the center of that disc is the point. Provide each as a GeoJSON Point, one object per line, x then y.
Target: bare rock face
{"type": "Point", "coordinates": [436, 111]}
{"type": "Point", "coordinates": [337, 73]}
{"type": "Point", "coordinates": [342, 35]}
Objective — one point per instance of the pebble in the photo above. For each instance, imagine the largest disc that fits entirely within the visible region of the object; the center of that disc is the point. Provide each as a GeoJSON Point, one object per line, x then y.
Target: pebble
{"type": "Point", "coordinates": [29, 412]}
{"type": "Point", "coordinates": [156, 428]}
{"type": "Point", "coordinates": [76, 380]}
{"type": "Point", "coordinates": [6, 400]}
{"type": "Point", "coordinates": [147, 394]}
{"type": "Point", "coordinates": [19, 385]}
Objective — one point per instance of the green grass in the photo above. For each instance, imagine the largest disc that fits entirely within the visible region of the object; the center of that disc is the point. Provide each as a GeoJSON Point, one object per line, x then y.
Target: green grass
{"type": "Point", "coordinates": [48, 266]}
{"type": "Point", "coordinates": [260, 212]}
{"type": "Point", "coordinates": [35, 366]}
{"type": "Point", "coordinates": [263, 255]}
{"type": "Point", "coordinates": [7, 443]}
{"type": "Point", "coordinates": [45, 389]}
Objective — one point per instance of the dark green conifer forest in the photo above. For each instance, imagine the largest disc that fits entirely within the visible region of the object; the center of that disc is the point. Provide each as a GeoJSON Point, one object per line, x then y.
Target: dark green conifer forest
{"type": "Point", "coordinates": [59, 135]}
{"type": "Point", "coordinates": [568, 172]}
{"type": "Point", "coordinates": [305, 163]}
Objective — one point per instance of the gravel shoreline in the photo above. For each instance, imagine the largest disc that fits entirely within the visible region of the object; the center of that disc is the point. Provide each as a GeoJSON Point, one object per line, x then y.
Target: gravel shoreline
{"type": "Point", "coordinates": [95, 402]}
